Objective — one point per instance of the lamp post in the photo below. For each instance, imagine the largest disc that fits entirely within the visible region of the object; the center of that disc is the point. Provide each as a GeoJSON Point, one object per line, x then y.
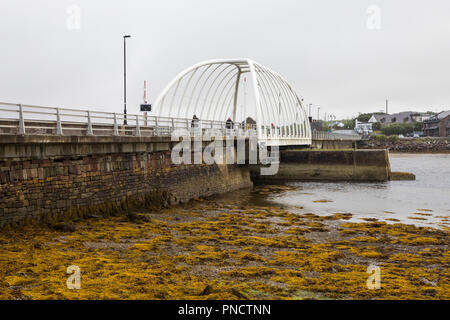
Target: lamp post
{"type": "Point", "coordinates": [125, 78]}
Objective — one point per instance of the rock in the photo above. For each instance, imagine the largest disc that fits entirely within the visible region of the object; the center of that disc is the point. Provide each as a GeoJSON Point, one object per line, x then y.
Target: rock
{"type": "Point", "coordinates": [238, 294]}
{"type": "Point", "coordinates": [65, 227]}
{"type": "Point", "coordinates": [428, 282]}
{"type": "Point", "coordinates": [397, 176]}
{"type": "Point", "coordinates": [133, 217]}
{"type": "Point", "coordinates": [208, 290]}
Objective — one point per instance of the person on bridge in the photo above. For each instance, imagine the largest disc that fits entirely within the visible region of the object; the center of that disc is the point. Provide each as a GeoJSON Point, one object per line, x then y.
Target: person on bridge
{"type": "Point", "coordinates": [194, 125]}
{"type": "Point", "coordinates": [194, 122]}
{"type": "Point", "coordinates": [229, 125]}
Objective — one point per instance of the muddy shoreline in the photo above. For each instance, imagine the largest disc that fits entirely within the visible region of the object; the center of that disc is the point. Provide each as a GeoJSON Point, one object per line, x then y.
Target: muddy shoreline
{"type": "Point", "coordinates": [220, 249]}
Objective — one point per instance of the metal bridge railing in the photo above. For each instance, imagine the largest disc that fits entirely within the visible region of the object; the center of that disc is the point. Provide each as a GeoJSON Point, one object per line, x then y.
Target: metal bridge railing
{"type": "Point", "coordinates": [38, 120]}
{"type": "Point", "coordinates": [323, 135]}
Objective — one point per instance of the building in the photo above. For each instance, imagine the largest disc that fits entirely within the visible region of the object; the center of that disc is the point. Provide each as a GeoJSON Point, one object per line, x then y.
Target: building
{"type": "Point", "coordinates": [401, 117]}
{"type": "Point", "coordinates": [363, 128]}
{"type": "Point", "coordinates": [421, 117]}
{"type": "Point", "coordinates": [337, 124]}
{"type": "Point", "coordinates": [438, 126]}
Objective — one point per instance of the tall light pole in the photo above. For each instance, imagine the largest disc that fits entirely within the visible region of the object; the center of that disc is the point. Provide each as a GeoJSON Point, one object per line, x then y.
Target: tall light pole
{"type": "Point", "coordinates": [125, 78]}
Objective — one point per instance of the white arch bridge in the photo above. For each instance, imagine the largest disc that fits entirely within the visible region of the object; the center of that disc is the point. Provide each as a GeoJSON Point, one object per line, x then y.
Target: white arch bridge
{"type": "Point", "coordinates": [258, 101]}
{"type": "Point", "coordinates": [253, 96]}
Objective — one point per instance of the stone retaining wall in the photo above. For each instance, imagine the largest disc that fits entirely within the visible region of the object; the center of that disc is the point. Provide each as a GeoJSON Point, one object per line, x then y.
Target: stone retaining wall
{"type": "Point", "coordinates": [55, 178]}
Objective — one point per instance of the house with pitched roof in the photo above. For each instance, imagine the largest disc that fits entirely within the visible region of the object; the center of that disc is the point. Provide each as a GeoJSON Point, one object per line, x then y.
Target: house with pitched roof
{"type": "Point", "coordinates": [438, 126]}
{"type": "Point", "coordinates": [401, 117]}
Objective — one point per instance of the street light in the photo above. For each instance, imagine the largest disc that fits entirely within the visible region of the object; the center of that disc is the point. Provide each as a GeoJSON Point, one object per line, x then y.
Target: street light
{"type": "Point", "coordinates": [125, 78]}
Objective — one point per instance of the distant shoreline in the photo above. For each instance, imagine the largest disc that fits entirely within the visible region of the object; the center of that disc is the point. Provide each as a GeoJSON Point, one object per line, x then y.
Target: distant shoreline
{"type": "Point", "coordinates": [408, 146]}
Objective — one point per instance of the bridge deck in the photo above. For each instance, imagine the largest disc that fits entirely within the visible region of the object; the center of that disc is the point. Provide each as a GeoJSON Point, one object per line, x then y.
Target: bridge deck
{"type": "Point", "coordinates": [17, 119]}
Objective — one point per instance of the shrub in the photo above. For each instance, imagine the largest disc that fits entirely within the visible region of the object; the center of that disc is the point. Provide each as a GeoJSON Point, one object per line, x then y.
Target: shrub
{"type": "Point", "coordinates": [393, 138]}
{"type": "Point", "coordinates": [401, 128]}
{"type": "Point", "coordinates": [376, 126]}
{"type": "Point", "coordinates": [378, 137]}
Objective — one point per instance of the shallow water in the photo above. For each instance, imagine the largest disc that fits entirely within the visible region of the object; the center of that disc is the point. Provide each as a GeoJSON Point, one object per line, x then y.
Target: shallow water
{"type": "Point", "coordinates": [400, 200]}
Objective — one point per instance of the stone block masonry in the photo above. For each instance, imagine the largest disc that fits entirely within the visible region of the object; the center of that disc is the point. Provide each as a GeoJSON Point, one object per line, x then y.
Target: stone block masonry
{"type": "Point", "coordinates": [329, 165]}
{"type": "Point", "coordinates": [44, 179]}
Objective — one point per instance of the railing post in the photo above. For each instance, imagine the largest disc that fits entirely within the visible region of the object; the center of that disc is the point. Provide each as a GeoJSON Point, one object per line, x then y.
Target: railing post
{"type": "Point", "coordinates": [138, 127]}
{"type": "Point", "coordinates": [156, 126]}
{"type": "Point", "coordinates": [58, 123]}
{"type": "Point", "coordinates": [89, 128]}
{"type": "Point", "coordinates": [21, 121]}
{"type": "Point", "coordinates": [173, 125]}
{"type": "Point", "coordinates": [116, 126]}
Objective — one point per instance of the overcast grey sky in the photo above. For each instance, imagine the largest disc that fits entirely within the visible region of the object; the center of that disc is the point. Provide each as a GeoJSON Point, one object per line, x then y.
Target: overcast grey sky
{"type": "Point", "coordinates": [324, 48]}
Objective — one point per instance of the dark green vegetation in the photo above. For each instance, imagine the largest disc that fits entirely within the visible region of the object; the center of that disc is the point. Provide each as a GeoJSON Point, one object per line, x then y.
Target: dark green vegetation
{"type": "Point", "coordinates": [401, 128]}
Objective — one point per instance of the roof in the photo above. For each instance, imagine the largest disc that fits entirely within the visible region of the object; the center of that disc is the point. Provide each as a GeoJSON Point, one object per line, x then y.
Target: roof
{"type": "Point", "coordinates": [443, 114]}
{"type": "Point", "coordinates": [438, 117]}
{"type": "Point", "coordinates": [399, 117]}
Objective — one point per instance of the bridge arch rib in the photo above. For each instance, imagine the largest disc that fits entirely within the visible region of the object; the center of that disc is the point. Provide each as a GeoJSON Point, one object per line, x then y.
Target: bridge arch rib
{"type": "Point", "coordinates": [239, 89]}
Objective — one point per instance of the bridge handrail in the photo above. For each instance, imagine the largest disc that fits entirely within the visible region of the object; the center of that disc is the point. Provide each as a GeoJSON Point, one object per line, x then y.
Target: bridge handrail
{"type": "Point", "coordinates": [20, 118]}
{"type": "Point", "coordinates": [323, 135]}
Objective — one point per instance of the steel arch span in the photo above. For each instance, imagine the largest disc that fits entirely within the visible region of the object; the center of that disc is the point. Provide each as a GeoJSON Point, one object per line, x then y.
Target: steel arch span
{"type": "Point", "coordinates": [243, 90]}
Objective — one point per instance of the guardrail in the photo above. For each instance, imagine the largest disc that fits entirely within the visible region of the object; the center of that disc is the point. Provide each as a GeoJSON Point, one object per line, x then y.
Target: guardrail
{"type": "Point", "coordinates": [323, 135]}
{"type": "Point", "coordinates": [39, 120]}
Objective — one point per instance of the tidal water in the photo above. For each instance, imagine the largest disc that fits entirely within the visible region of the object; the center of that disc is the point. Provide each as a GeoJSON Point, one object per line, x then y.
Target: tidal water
{"type": "Point", "coordinates": [429, 195]}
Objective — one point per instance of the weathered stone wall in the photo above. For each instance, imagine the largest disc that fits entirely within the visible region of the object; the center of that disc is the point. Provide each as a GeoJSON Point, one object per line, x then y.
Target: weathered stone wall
{"type": "Point", "coordinates": [55, 178]}
{"type": "Point", "coordinates": [425, 145]}
{"type": "Point", "coordinates": [329, 165]}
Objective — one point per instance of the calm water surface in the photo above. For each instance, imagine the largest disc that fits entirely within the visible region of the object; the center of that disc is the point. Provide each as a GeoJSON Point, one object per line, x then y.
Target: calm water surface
{"type": "Point", "coordinates": [430, 191]}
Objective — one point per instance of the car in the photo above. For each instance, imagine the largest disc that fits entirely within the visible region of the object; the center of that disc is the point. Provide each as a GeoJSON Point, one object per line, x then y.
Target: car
{"type": "Point", "coordinates": [401, 136]}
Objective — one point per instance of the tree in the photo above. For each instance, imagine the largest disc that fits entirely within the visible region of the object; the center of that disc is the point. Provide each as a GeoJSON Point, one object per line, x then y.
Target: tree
{"type": "Point", "coordinates": [365, 117]}
{"type": "Point", "coordinates": [376, 126]}
{"type": "Point", "coordinates": [401, 128]}
{"type": "Point", "coordinates": [349, 124]}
